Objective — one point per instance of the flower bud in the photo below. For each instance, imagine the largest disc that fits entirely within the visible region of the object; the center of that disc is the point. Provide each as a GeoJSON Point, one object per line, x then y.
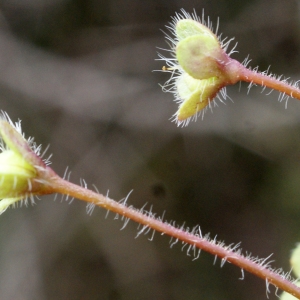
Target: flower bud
{"type": "Point", "coordinates": [15, 174]}
{"type": "Point", "coordinates": [295, 261]}
{"type": "Point", "coordinates": [201, 68]}
{"type": "Point", "coordinates": [295, 264]}
{"type": "Point", "coordinates": [195, 94]}
{"type": "Point", "coordinates": [188, 27]}
{"type": "Point", "coordinates": [198, 51]}
{"type": "Point", "coordinates": [21, 168]}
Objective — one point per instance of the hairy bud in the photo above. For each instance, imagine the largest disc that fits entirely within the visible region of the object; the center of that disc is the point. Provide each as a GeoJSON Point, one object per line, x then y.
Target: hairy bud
{"type": "Point", "coordinates": [21, 168]}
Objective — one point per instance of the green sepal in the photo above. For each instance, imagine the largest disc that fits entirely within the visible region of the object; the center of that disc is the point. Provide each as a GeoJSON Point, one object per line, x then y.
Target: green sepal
{"type": "Point", "coordinates": [195, 94]}
{"type": "Point", "coordinates": [199, 56]}
{"type": "Point", "coordinates": [187, 27]}
{"type": "Point", "coordinates": [15, 174]}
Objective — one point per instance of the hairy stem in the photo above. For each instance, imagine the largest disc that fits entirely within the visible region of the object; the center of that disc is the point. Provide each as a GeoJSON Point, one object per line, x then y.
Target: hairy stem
{"type": "Point", "coordinates": [269, 81]}
{"type": "Point", "coordinates": [259, 268]}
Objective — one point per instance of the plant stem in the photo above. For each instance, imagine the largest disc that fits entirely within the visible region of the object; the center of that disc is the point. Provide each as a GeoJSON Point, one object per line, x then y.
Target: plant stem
{"type": "Point", "coordinates": [259, 268]}
{"type": "Point", "coordinates": [269, 81]}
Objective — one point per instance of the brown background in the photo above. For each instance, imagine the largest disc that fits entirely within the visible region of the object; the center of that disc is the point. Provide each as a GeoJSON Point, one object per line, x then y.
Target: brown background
{"type": "Point", "coordinates": [79, 76]}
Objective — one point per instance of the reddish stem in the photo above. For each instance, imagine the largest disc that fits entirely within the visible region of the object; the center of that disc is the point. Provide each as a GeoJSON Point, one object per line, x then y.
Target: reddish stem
{"type": "Point", "coordinates": [62, 186]}
{"type": "Point", "coordinates": [238, 72]}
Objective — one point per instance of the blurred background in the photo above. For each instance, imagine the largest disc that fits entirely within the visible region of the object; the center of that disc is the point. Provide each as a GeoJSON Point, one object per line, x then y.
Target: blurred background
{"type": "Point", "coordinates": [78, 73]}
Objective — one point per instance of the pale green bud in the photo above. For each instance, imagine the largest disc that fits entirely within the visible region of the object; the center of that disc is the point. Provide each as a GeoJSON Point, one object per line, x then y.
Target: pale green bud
{"type": "Point", "coordinates": [21, 168]}
{"type": "Point", "coordinates": [198, 51]}
{"type": "Point", "coordinates": [187, 27]}
{"type": "Point", "coordinates": [295, 260]}
{"type": "Point", "coordinates": [195, 93]}
{"type": "Point", "coordinates": [295, 264]}
{"type": "Point", "coordinates": [201, 68]}
{"type": "Point", "coordinates": [15, 174]}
